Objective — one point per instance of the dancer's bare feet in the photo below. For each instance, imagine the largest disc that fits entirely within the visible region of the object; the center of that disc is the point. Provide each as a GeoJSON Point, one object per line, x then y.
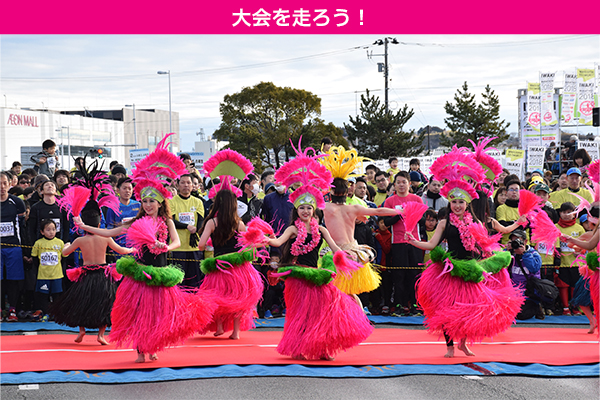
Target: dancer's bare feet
{"type": "Point", "coordinates": [463, 347]}
{"type": "Point", "coordinates": [153, 357]}
{"type": "Point", "coordinates": [219, 333]}
{"type": "Point", "coordinates": [141, 358]}
{"type": "Point", "coordinates": [450, 352]}
{"type": "Point", "coordinates": [235, 336]}
{"type": "Point", "coordinates": [327, 357]}
{"type": "Point", "coordinates": [79, 337]}
{"type": "Point", "coordinates": [592, 327]}
{"type": "Point", "coordinates": [102, 340]}
{"type": "Point", "coordinates": [299, 357]}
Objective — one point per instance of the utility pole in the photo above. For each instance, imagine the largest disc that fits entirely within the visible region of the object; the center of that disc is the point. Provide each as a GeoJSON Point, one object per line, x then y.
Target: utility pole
{"type": "Point", "coordinates": [384, 67]}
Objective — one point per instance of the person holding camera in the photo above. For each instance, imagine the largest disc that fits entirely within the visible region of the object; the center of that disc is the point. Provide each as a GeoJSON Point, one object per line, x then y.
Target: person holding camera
{"type": "Point", "coordinates": [527, 262]}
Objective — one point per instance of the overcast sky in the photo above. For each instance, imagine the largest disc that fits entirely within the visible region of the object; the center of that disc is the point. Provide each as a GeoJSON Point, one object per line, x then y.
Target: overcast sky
{"type": "Point", "coordinates": [107, 72]}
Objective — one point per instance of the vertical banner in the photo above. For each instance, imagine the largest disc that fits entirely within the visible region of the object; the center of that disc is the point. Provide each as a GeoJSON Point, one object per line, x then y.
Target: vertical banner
{"type": "Point", "coordinates": [426, 164]}
{"type": "Point", "coordinates": [591, 147]}
{"type": "Point", "coordinates": [533, 105]}
{"type": "Point", "coordinates": [535, 157]}
{"type": "Point", "coordinates": [585, 96]}
{"type": "Point", "coordinates": [549, 122]}
{"type": "Point", "coordinates": [567, 109]}
{"type": "Point", "coordinates": [514, 161]}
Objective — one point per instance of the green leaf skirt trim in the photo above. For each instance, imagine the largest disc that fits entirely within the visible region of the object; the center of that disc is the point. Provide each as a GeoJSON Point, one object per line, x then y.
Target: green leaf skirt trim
{"type": "Point", "coordinates": [167, 276]}
{"type": "Point", "coordinates": [318, 276]}
{"type": "Point", "coordinates": [226, 261]}
{"type": "Point", "coordinates": [592, 260]}
{"type": "Point", "coordinates": [472, 270]}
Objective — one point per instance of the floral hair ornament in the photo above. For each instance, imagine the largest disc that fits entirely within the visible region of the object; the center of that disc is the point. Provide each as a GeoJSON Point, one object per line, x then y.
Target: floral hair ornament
{"type": "Point", "coordinates": [341, 162]}
{"type": "Point", "coordinates": [151, 173]}
{"type": "Point", "coordinates": [226, 164]}
{"type": "Point", "coordinates": [315, 178]}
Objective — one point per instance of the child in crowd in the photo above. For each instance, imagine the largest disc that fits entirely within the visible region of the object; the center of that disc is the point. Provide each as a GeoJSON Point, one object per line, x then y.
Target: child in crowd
{"type": "Point", "coordinates": [46, 161]}
{"type": "Point", "coordinates": [383, 247]}
{"type": "Point", "coordinates": [393, 169]}
{"type": "Point", "coordinates": [567, 276]}
{"type": "Point", "coordinates": [48, 251]}
{"type": "Point", "coordinates": [415, 165]}
{"type": "Point", "coordinates": [431, 221]}
{"type": "Point", "coordinates": [273, 295]}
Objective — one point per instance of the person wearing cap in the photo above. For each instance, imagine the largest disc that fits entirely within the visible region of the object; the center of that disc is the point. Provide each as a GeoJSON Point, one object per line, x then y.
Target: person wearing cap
{"type": "Point", "coordinates": [585, 222]}
{"type": "Point", "coordinates": [119, 171]}
{"type": "Point", "coordinates": [416, 186]}
{"type": "Point", "coordinates": [534, 181]}
{"type": "Point", "coordinates": [573, 188]}
{"type": "Point", "coordinates": [526, 262]}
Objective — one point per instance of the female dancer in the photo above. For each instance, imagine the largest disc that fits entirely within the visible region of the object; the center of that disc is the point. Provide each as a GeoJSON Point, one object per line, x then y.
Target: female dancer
{"type": "Point", "coordinates": [321, 320]}
{"type": "Point", "coordinates": [230, 275]}
{"type": "Point", "coordinates": [150, 311]}
{"type": "Point", "coordinates": [461, 297]}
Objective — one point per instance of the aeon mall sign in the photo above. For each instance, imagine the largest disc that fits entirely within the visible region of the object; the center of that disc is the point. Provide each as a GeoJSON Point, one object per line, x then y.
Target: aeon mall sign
{"type": "Point", "coordinates": [22, 120]}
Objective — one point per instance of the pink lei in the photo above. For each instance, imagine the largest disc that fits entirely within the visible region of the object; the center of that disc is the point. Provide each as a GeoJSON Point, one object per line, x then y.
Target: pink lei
{"type": "Point", "coordinates": [298, 247]}
{"type": "Point", "coordinates": [463, 228]}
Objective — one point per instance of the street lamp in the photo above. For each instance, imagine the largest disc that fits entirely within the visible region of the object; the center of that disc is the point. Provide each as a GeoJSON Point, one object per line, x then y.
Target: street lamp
{"type": "Point", "coordinates": [385, 42]}
{"type": "Point", "coordinates": [134, 130]}
{"type": "Point", "coordinates": [170, 122]}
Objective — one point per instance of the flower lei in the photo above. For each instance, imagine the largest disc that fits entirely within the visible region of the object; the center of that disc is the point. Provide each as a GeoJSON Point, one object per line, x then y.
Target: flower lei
{"type": "Point", "coordinates": [463, 228]}
{"type": "Point", "coordinates": [298, 247]}
{"type": "Point", "coordinates": [161, 237]}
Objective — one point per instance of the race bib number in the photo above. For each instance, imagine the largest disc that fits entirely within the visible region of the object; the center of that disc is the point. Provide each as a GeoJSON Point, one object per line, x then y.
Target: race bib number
{"type": "Point", "coordinates": [566, 249]}
{"type": "Point", "coordinates": [49, 258]}
{"type": "Point", "coordinates": [187, 218]}
{"type": "Point", "coordinates": [7, 229]}
{"type": "Point", "coordinates": [51, 162]}
{"type": "Point", "coordinates": [124, 220]}
{"type": "Point", "coordinates": [542, 249]}
{"type": "Point", "coordinates": [399, 208]}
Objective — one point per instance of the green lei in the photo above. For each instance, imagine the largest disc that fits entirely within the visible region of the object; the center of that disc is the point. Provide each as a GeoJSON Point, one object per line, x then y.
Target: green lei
{"type": "Point", "coordinates": [472, 270]}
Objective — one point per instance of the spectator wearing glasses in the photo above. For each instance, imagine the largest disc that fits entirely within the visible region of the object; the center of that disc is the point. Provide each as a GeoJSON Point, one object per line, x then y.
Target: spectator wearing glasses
{"type": "Point", "coordinates": [382, 182]}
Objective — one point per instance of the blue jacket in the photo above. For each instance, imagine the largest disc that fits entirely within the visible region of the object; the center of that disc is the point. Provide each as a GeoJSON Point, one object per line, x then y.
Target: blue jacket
{"type": "Point", "coordinates": [531, 262]}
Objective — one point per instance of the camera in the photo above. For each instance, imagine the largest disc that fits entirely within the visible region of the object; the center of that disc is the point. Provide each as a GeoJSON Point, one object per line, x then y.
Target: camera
{"type": "Point", "coordinates": [515, 244]}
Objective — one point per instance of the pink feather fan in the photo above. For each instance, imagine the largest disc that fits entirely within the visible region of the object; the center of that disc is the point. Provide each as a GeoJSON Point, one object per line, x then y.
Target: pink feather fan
{"type": "Point", "coordinates": [544, 231]}
{"type": "Point", "coordinates": [594, 171]}
{"type": "Point", "coordinates": [412, 212]}
{"type": "Point", "coordinates": [255, 234]}
{"type": "Point", "coordinates": [529, 203]}
{"type": "Point", "coordinates": [487, 243]}
{"type": "Point", "coordinates": [143, 233]}
{"type": "Point", "coordinates": [74, 199]}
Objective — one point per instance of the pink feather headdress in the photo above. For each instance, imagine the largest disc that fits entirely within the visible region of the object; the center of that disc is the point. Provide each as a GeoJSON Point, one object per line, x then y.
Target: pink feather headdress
{"type": "Point", "coordinates": [315, 179]}
{"type": "Point", "coordinates": [226, 164]}
{"type": "Point", "coordinates": [94, 185]}
{"type": "Point", "coordinates": [150, 174]}
{"type": "Point", "coordinates": [457, 165]}
{"type": "Point", "coordinates": [492, 168]}
{"type": "Point", "coordinates": [460, 190]}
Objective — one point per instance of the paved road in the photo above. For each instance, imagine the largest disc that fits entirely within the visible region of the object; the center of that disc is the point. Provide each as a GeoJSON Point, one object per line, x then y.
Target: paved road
{"type": "Point", "coordinates": [406, 387]}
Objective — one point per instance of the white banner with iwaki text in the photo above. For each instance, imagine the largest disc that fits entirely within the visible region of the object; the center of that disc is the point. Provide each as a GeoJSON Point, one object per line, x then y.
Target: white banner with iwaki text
{"type": "Point", "coordinates": [535, 157]}
{"type": "Point", "coordinates": [549, 122]}
{"type": "Point", "coordinates": [591, 147]}
{"type": "Point", "coordinates": [513, 161]}
{"type": "Point", "coordinates": [533, 105]}
{"type": "Point", "coordinates": [567, 109]}
{"type": "Point", "coordinates": [585, 96]}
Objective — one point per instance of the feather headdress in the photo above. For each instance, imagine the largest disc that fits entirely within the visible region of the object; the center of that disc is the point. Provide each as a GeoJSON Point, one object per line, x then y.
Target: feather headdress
{"type": "Point", "coordinates": [491, 167]}
{"type": "Point", "coordinates": [226, 164]}
{"type": "Point", "coordinates": [458, 167]}
{"type": "Point", "coordinates": [315, 178]}
{"type": "Point", "coordinates": [151, 173]}
{"type": "Point", "coordinates": [94, 185]}
{"type": "Point", "coordinates": [341, 162]}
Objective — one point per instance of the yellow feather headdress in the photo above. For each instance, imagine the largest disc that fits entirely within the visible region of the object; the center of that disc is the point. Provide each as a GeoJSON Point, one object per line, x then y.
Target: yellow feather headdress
{"type": "Point", "coordinates": [341, 162]}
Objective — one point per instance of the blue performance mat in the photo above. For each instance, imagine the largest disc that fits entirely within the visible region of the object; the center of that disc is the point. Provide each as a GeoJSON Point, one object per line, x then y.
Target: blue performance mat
{"type": "Point", "coordinates": [278, 323]}
{"type": "Point", "coordinates": [235, 371]}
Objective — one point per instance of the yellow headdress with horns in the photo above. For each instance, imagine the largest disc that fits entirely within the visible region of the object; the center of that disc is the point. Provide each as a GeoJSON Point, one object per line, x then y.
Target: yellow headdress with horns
{"type": "Point", "coordinates": [341, 162]}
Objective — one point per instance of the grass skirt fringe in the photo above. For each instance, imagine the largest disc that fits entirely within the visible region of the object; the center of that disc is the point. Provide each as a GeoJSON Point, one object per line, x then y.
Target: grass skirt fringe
{"type": "Point", "coordinates": [238, 289]}
{"type": "Point", "coordinates": [88, 302]}
{"type": "Point", "coordinates": [365, 279]}
{"type": "Point", "coordinates": [590, 274]}
{"type": "Point", "coordinates": [320, 321]}
{"type": "Point", "coordinates": [472, 310]}
{"type": "Point", "coordinates": [150, 318]}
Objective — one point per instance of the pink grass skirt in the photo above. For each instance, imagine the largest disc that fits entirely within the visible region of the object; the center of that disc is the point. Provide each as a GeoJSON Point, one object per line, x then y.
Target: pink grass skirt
{"type": "Point", "coordinates": [320, 321]}
{"type": "Point", "coordinates": [150, 318]}
{"type": "Point", "coordinates": [238, 290]}
{"type": "Point", "coordinates": [466, 309]}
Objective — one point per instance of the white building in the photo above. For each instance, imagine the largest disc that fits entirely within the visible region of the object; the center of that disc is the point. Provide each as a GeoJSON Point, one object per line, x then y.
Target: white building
{"type": "Point", "coordinates": [22, 132]}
